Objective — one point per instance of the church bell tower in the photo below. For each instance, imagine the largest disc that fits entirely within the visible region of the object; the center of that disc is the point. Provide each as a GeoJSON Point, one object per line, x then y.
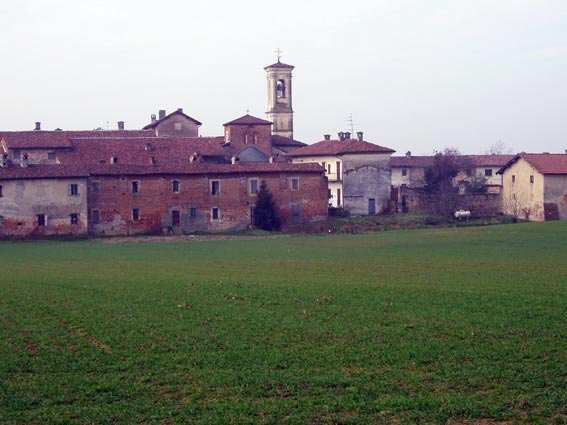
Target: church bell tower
{"type": "Point", "coordinates": [280, 111]}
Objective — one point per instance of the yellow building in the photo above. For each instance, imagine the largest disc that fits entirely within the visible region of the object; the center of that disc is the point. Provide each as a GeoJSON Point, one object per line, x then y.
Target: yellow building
{"type": "Point", "coordinates": [534, 187]}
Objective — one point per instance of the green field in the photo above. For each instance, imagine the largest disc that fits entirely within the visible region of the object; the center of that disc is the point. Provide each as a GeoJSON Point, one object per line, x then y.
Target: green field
{"type": "Point", "coordinates": [420, 326]}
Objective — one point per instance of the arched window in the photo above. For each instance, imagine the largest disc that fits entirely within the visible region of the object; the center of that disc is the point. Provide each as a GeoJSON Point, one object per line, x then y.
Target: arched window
{"type": "Point", "coordinates": [280, 88]}
{"type": "Point", "coordinates": [246, 139]}
{"type": "Point", "coordinates": [255, 138]}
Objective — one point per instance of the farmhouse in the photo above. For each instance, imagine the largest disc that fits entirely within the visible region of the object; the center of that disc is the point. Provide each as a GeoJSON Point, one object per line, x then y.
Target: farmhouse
{"type": "Point", "coordinates": [409, 170]}
{"type": "Point", "coordinates": [358, 171]}
{"type": "Point", "coordinates": [535, 186]}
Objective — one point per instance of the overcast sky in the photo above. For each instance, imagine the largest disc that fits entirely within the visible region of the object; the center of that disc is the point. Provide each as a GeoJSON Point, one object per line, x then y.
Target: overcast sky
{"type": "Point", "coordinates": [416, 75]}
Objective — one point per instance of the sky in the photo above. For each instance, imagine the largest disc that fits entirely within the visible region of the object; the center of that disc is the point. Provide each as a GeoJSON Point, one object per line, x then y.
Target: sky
{"type": "Point", "coordinates": [416, 75]}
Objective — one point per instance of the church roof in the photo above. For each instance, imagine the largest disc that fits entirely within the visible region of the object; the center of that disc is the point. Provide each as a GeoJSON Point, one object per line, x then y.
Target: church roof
{"type": "Point", "coordinates": [286, 141]}
{"type": "Point", "coordinates": [248, 120]}
{"type": "Point", "coordinates": [177, 112]}
{"type": "Point", "coordinates": [280, 65]}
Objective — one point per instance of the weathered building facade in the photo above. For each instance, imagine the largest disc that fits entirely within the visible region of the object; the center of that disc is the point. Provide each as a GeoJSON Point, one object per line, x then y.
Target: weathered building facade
{"type": "Point", "coordinates": [535, 187]}
{"type": "Point", "coordinates": [358, 172]}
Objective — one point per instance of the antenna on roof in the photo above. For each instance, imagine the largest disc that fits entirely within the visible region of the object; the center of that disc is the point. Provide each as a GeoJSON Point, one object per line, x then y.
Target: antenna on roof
{"type": "Point", "coordinates": [278, 53]}
{"type": "Point", "coordinates": [350, 123]}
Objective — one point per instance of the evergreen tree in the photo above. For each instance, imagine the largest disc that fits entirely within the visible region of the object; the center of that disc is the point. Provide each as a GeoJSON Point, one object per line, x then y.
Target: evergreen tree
{"type": "Point", "coordinates": [266, 213]}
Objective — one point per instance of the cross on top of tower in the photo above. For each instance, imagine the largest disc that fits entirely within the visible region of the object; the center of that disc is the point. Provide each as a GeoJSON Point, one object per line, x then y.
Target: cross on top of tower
{"type": "Point", "coordinates": [278, 53]}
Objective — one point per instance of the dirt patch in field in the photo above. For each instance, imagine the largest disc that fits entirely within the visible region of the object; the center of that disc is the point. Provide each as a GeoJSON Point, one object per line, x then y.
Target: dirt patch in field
{"type": "Point", "coordinates": [479, 422]}
{"type": "Point", "coordinates": [81, 333]}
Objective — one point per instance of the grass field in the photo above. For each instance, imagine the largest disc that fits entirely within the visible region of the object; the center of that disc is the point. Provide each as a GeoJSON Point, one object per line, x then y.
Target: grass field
{"type": "Point", "coordinates": [420, 326]}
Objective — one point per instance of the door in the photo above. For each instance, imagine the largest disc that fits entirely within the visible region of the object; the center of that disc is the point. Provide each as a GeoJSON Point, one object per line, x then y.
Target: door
{"type": "Point", "coordinates": [551, 211]}
{"type": "Point", "coordinates": [371, 206]}
{"type": "Point", "coordinates": [175, 218]}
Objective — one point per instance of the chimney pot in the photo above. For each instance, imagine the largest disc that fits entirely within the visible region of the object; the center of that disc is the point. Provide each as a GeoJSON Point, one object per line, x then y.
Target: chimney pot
{"type": "Point", "coordinates": [162, 114]}
{"type": "Point", "coordinates": [360, 135]}
{"type": "Point", "coordinates": [120, 125]}
{"type": "Point", "coordinates": [408, 153]}
{"type": "Point", "coordinates": [154, 118]}
{"type": "Point", "coordinates": [37, 126]}
{"type": "Point", "coordinates": [341, 136]}
{"type": "Point", "coordinates": [180, 110]}
{"type": "Point", "coordinates": [327, 136]}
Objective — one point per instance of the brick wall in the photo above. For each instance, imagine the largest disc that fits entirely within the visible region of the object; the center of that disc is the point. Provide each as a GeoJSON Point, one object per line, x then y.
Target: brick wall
{"type": "Point", "coordinates": [241, 136]}
{"type": "Point", "coordinates": [111, 198]}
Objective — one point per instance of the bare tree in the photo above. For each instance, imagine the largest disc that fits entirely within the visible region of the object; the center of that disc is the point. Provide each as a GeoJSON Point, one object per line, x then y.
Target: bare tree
{"type": "Point", "coordinates": [499, 148]}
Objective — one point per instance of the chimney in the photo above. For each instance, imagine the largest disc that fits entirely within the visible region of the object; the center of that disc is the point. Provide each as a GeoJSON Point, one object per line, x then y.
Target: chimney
{"type": "Point", "coordinates": [154, 118]}
{"type": "Point", "coordinates": [360, 135]}
{"type": "Point", "coordinates": [37, 126]}
{"type": "Point", "coordinates": [347, 135]}
{"type": "Point", "coordinates": [341, 136]}
{"type": "Point", "coordinates": [24, 161]}
{"type": "Point", "coordinates": [161, 114]}
{"type": "Point", "coordinates": [327, 136]}
{"type": "Point", "coordinates": [180, 110]}
{"type": "Point", "coordinates": [121, 125]}
{"type": "Point", "coordinates": [408, 154]}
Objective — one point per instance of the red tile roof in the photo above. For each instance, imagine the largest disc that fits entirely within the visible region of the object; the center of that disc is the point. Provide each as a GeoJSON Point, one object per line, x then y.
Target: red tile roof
{"type": "Point", "coordinates": [42, 172]}
{"type": "Point", "coordinates": [545, 163]}
{"type": "Point", "coordinates": [248, 120]}
{"type": "Point", "coordinates": [286, 141]}
{"type": "Point", "coordinates": [338, 147]}
{"type": "Point", "coordinates": [59, 139]}
{"type": "Point", "coordinates": [141, 150]}
{"type": "Point", "coordinates": [411, 161]}
{"type": "Point", "coordinates": [179, 168]}
{"type": "Point", "coordinates": [177, 112]}
{"type": "Point", "coordinates": [427, 161]}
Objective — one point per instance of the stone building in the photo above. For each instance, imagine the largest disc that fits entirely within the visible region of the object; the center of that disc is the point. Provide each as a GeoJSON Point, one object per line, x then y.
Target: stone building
{"type": "Point", "coordinates": [358, 172]}
{"type": "Point", "coordinates": [535, 186]}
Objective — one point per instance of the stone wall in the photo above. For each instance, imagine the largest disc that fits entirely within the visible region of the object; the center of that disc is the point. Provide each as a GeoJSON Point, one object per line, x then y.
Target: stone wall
{"type": "Point", "coordinates": [23, 200]}
{"type": "Point", "coordinates": [366, 178]}
{"type": "Point", "coordinates": [480, 205]}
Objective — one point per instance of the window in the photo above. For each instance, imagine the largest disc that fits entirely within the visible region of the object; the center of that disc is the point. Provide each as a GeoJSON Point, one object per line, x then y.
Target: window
{"type": "Point", "coordinates": [338, 197]}
{"type": "Point", "coordinates": [177, 126]}
{"type": "Point", "coordinates": [175, 218]}
{"type": "Point", "coordinates": [404, 172]}
{"type": "Point", "coordinates": [488, 172]}
{"type": "Point", "coordinates": [246, 139]}
{"type": "Point", "coordinates": [74, 218]}
{"type": "Point", "coordinates": [41, 221]}
{"type": "Point", "coordinates": [280, 88]}
{"type": "Point", "coordinates": [1, 191]}
{"type": "Point", "coordinates": [328, 168]}
{"type": "Point", "coordinates": [135, 187]}
{"type": "Point", "coordinates": [114, 160]}
{"type": "Point", "coordinates": [253, 186]}
{"type": "Point", "coordinates": [95, 216]}
{"type": "Point", "coordinates": [52, 156]}
{"type": "Point", "coordinates": [215, 187]}
{"type": "Point", "coordinates": [255, 138]}
{"type": "Point", "coordinates": [215, 213]}
{"type": "Point", "coordinates": [95, 186]}
{"type": "Point", "coordinates": [324, 166]}
{"type": "Point", "coordinates": [294, 184]}
{"type": "Point", "coordinates": [193, 212]}
{"type": "Point", "coordinates": [175, 186]}
{"type": "Point", "coordinates": [532, 179]}
{"type": "Point", "coordinates": [513, 179]}
{"type": "Point", "coordinates": [73, 189]}
{"type": "Point", "coordinates": [136, 214]}
{"type": "Point", "coordinates": [338, 170]}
